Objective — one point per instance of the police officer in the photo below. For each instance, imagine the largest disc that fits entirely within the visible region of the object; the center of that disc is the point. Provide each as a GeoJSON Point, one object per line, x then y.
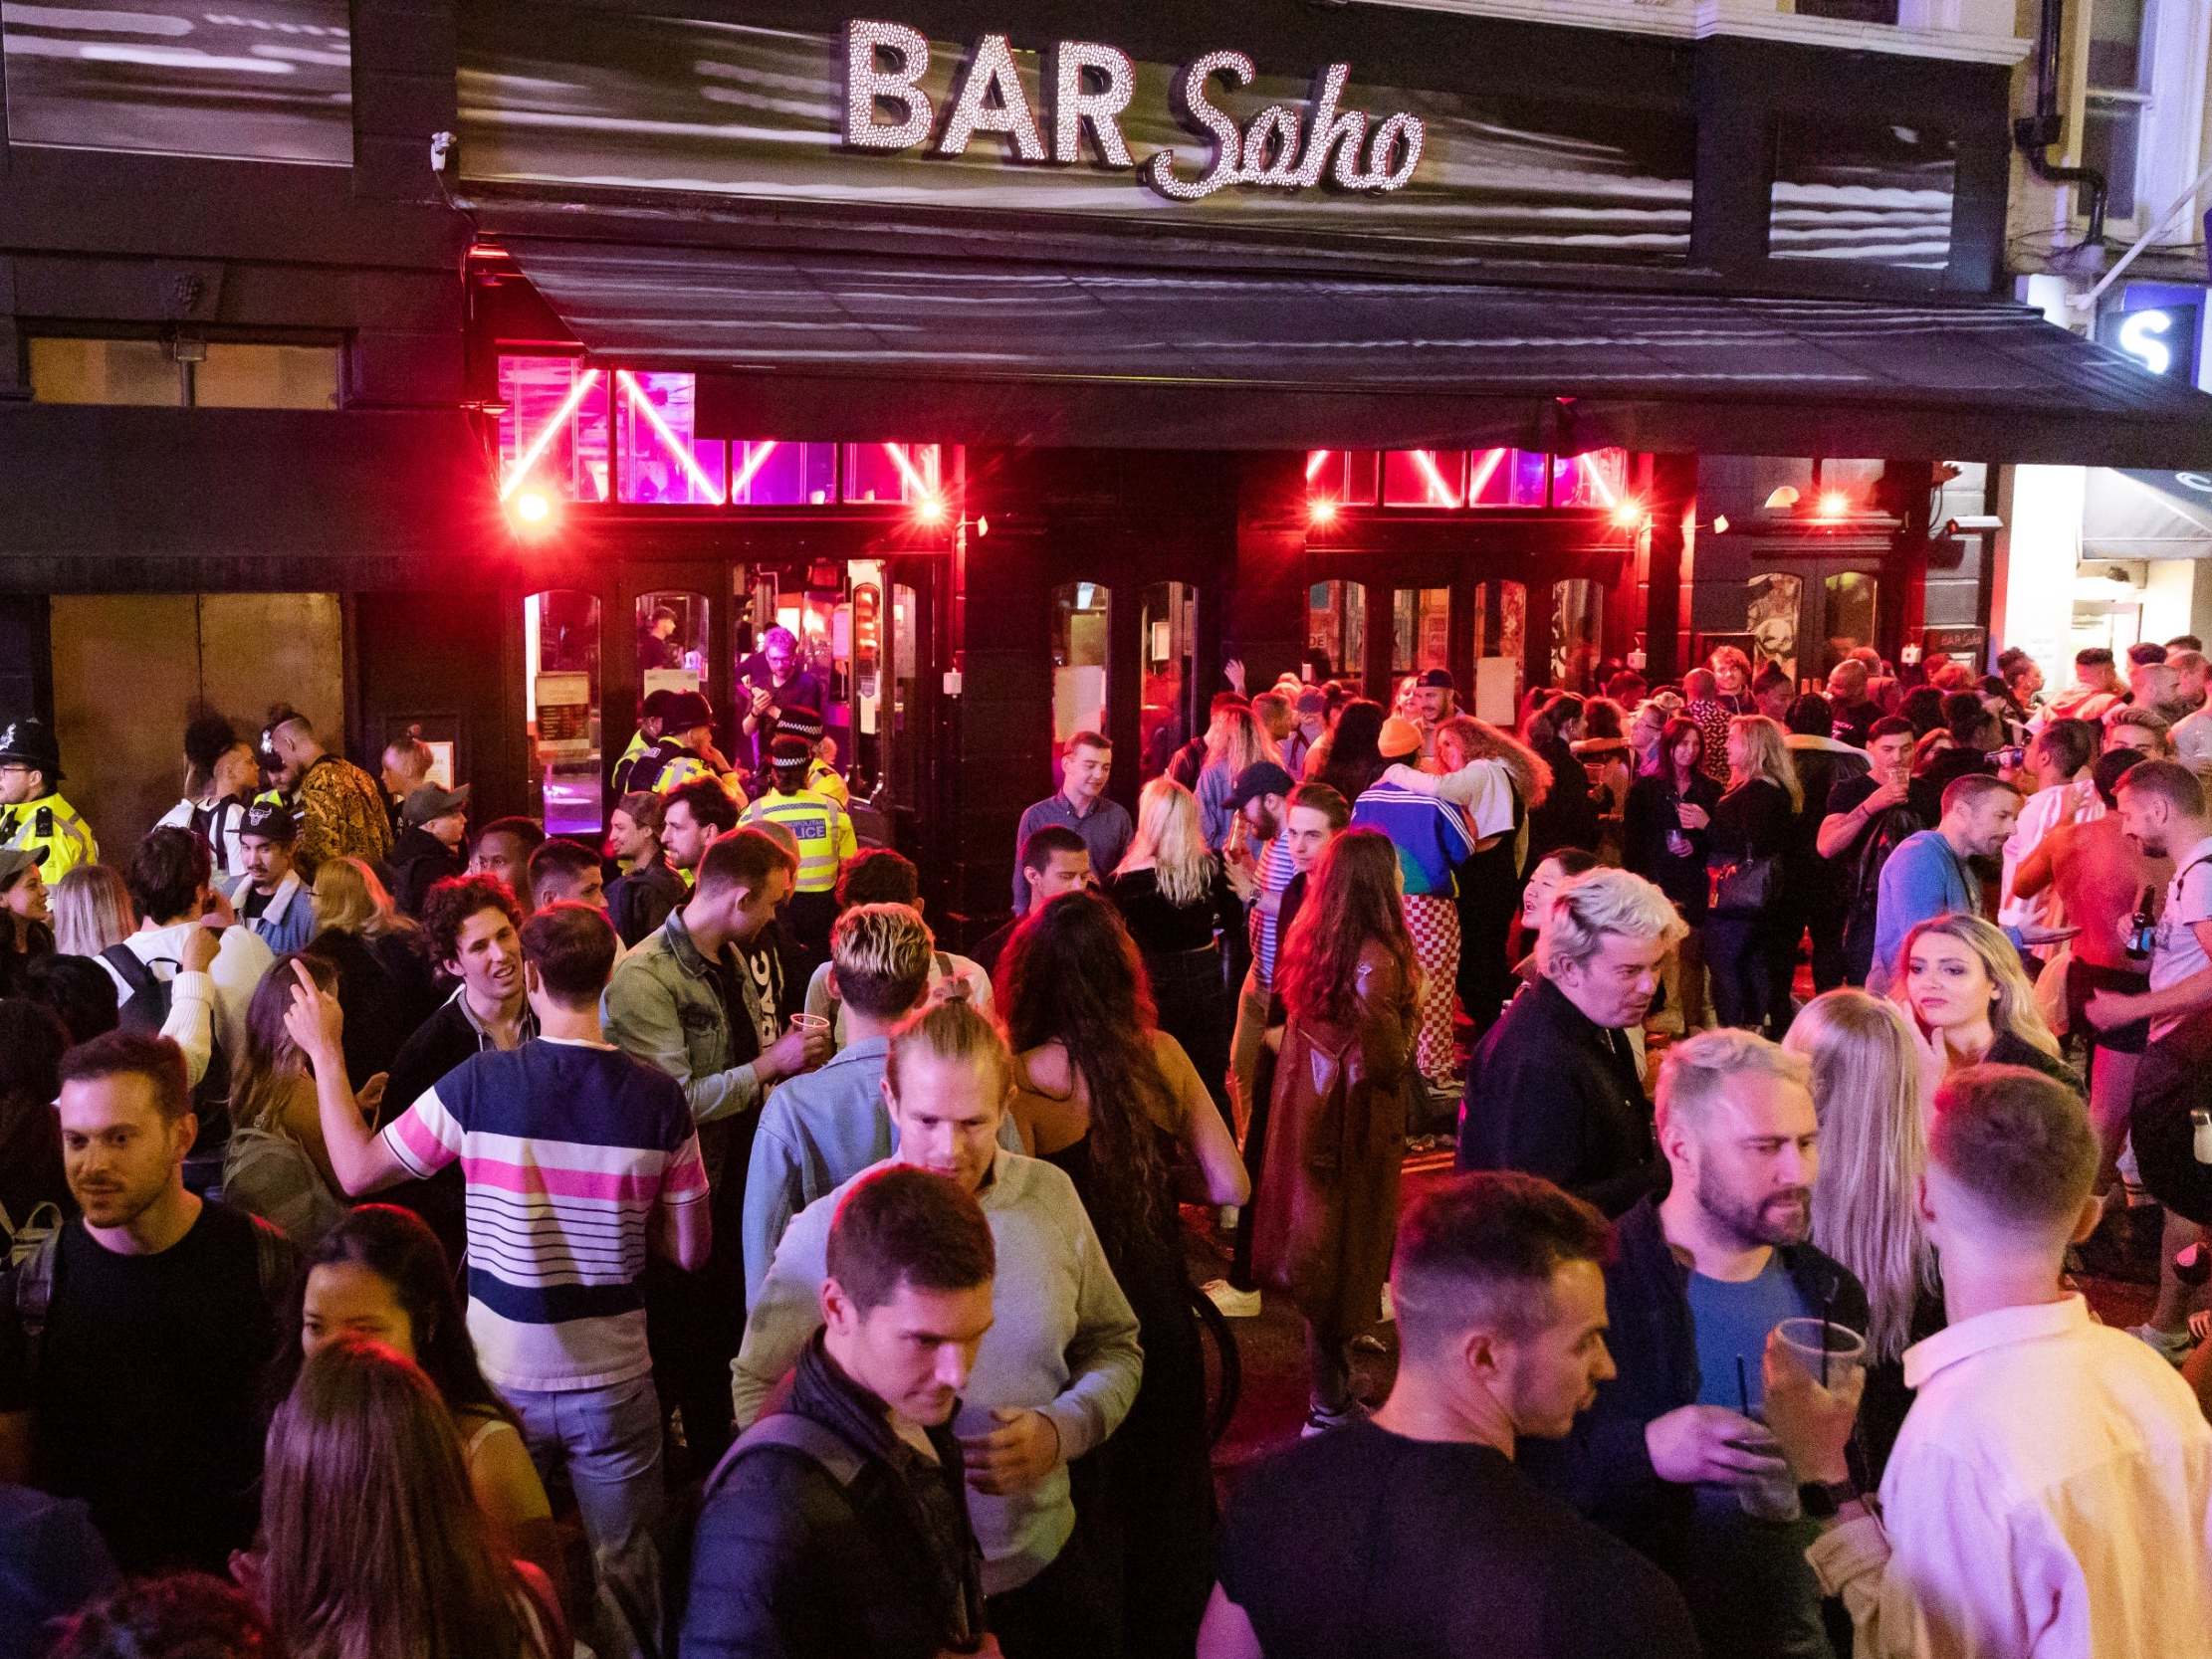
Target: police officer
{"type": "Point", "coordinates": [33, 815]}
{"type": "Point", "coordinates": [822, 777]}
{"type": "Point", "coordinates": [685, 751]}
{"type": "Point", "coordinates": [825, 839]}
{"type": "Point", "coordinates": [651, 722]}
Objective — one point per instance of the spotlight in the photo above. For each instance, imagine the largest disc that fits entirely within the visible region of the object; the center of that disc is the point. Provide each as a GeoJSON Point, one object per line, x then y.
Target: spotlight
{"type": "Point", "coordinates": [1627, 515]}
{"type": "Point", "coordinates": [1833, 503]}
{"type": "Point", "coordinates": [931, 510]}
{"type": "Point", "coordinates": [1322, 511]}
{"type": "Point", "coordinates": [534, 508]}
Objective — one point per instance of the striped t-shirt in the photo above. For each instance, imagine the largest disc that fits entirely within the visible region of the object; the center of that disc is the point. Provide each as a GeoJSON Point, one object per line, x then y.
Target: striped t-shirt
{"type": "Point", "coordinates": [1275, 873]}
{"type": "Point", "coordinates": [566, 1148]}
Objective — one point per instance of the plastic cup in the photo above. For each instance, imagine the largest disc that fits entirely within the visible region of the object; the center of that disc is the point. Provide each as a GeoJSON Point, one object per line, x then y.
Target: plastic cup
{"type": "Point", "coordinates": [809, 1023]}
{"type": "Point", "coordinates": [1825, 1348]}
{"type": "Point", "coordinates": [1772, 1498]}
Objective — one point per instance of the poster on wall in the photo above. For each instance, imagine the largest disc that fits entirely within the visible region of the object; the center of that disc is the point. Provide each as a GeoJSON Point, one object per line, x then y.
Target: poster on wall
{"type": "Point", "coordinates": [564, 716]}
{"type": "Point", "coordinates": [273, 82]}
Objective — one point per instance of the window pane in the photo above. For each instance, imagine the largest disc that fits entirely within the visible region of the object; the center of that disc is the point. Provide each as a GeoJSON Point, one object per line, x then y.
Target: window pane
{"type": "Point", "coordinates": [1490, 484]}
{"type": "Point", "coordinates": [1080, 612]}
{"type": "Point", "coordinates": [1599, 479]}
{"type": "Point", "coordinates": [1347, 477]}
{"type": "Point", "coordinates": [2119, 56]}
{"type": "Point", "coordinates": [1770, 616]}
{"type": "Point", "coordinates": [1336, 628]}
{"type": "Point", "coordinates": [2111, 134]}
{"type": "Point", "coordinates": [772, 473]}
{"type": "Point", "coordinates": [673, 642]}
{"type": "Point", "coordinates": [1577, 629]}
{"type": "Point", "coordinates": [105, 371]}
{"type": "Point", "coordinates": [553, 426]}
{"type": "Point", "coordinates": [890, 471]}
{"type": "Point", "coordinates": [561, 702]}
{"type": "Point", "coordinates": [267, 377]}
{"type": "Point", "coordinates": [1850, 613]}
{"type": "Point", "coordinates": [1424, 478]}
{"type": "Point", "coordinates": [1500, 644]}
{"type": "Point", "coordinates": [661, 461]}
{"type": "Point", "coordinates": [1166, 718]}
{"type": "Point", "coordinates": [1420, 629]}
{"type": "Point", "coordinates": [1529, 472]}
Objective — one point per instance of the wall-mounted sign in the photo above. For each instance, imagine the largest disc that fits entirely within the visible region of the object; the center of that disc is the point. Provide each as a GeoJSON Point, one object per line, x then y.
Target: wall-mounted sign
{"type": "Point", "coordinates": [1278, 147]}
{"type": "Point", "coordinates": [2162, 338]}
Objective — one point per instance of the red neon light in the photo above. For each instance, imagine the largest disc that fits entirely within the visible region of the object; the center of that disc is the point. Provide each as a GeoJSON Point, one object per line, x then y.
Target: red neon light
{"type": "Point", "coordinates": [1437, 485]}
{"type": "Point", "coordinates": [676, 446]}
{"type": "Point", "coordinates": [753, 459]}
{"type": "Point", "coordinates": [1313, 463]}
{"type": "Point", "coordinates": [536, 446]}
{"type": "Point", "coordinates": [1491, 458]}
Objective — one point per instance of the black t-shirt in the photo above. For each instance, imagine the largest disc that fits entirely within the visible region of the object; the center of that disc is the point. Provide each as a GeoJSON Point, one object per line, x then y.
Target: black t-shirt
{"type": "Point", "coordinates": [1361, 1541]}
{"type": "Point", "coordinates": [147, 1403]}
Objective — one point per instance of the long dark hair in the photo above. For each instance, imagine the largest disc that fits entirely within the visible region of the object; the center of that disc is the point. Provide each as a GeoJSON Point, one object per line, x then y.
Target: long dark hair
{"type": "Point", "coordinates": [1662, 756]}
{"type": "Point", "coordinates": [1352, 898]}
{"type": "Point", "coordinates": [1354, 761]}
{"type": "Point", "coordinates": [375, 1544]}
{"type": "Point", "coordinates": [1073, 975]}
{"type": "Point", "coordinates": [399, 1248]}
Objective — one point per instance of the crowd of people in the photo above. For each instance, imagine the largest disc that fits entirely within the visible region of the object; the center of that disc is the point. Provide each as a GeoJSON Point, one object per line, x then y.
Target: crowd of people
{"type": "Point", "coordinates": [447, 1240]}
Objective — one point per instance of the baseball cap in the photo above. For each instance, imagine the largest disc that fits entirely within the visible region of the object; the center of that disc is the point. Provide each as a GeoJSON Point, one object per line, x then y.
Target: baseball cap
{"type": "Point", "coordinates": [14, 861]}
{"type": "Point", "coordinates": [1261, 777]}
{"type": "Point", "coordinates": [1399, 738]}
{"type": "Point", "coordinates": [270, 821]}
{"type": "Point", "coordinates": [430, 803]}
{"type": "Point", "coordinates": [1436, 679]}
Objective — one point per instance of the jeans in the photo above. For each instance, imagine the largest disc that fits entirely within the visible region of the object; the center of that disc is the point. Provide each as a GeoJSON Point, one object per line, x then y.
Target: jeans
{"type": "Point", "coordinates": [1070, 1610]}
{"type": "Point", "coordinates": [1243, 1048]}
{"type": "Point", "coordinates": [1740, 953]}
{"type": "Point", "coordinates": [607, 1441]}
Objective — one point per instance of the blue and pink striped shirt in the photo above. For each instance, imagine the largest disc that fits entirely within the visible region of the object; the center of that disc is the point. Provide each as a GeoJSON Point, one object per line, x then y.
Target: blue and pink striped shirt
{"type": "Point", "coordinates": [566, 1149]}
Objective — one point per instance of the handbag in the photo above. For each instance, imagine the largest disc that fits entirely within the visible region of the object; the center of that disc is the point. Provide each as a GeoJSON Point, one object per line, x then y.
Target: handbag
{"type": "Point", "coordinates": [1746, 887]}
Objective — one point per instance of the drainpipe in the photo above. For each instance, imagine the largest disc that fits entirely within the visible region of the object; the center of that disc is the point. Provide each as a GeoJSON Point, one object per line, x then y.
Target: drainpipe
{"type": "Point", "coordinates": [2033, 135]}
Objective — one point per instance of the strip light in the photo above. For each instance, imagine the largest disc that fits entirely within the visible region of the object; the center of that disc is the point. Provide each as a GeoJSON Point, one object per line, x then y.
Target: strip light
{"type": "Point", "coordinates": [753, 462]}
{"type": "Point", "coordinates": [1492, 459]}
{"type": "Point", "coordinates": [538, 445]}
{"type": "Point", "coordinates": [923, 490]}
{"type": "Point", "coordinates": [1428, 464]}
{"type": "Point", "coordinates": [1313, 463]}
{"type": "Point", "coordinates": [1596, 476]}
{"type": "Point", "coordinates": [675, 445]}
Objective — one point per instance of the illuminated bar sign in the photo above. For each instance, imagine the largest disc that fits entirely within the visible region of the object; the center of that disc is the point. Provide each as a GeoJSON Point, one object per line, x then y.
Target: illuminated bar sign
{"type": "Point", "coordinates": [1090, 86]}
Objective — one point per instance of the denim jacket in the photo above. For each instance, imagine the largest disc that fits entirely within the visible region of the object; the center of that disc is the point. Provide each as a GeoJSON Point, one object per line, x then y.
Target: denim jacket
{"type": "Point", "coordinates": [664, 1007]}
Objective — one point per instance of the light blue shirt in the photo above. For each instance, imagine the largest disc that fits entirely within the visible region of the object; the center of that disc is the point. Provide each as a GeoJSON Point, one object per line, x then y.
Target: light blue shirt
{"type": "Point", "coordinates": [1922, 880]}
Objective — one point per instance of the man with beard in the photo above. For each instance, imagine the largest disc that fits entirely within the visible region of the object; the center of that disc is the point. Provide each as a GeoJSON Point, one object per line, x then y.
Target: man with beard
{"type": "Point", "coordinates": [1671, 1457]}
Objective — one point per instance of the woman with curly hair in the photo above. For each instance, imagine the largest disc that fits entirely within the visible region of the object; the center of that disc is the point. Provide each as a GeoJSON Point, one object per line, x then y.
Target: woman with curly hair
{"type": "Point", "coordinates": [1328, 1202]}
{"type": "Point", "coordinates": [1105, 1095]}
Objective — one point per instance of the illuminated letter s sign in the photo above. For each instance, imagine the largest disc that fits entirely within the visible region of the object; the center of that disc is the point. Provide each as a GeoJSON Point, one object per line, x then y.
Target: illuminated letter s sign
{"type": "Point", "coordinates": [2141, 338]}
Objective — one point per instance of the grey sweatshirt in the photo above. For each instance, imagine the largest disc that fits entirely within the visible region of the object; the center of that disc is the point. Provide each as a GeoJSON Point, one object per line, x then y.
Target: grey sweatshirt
{"type": "Point", "coordinates": [1064, 1344]}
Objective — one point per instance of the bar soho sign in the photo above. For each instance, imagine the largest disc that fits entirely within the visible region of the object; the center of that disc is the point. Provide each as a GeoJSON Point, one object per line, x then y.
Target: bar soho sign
{"type": "Point", "coordinates": [1089, 85]}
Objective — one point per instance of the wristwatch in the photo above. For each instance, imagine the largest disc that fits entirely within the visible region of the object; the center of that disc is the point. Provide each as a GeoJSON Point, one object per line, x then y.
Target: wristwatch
{"type": "Point", "coordinates": [1824, 1499]}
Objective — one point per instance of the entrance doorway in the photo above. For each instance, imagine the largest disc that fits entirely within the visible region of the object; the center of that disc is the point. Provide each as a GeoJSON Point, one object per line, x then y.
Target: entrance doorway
{"type": "Point", "coordinates": [130, 669]}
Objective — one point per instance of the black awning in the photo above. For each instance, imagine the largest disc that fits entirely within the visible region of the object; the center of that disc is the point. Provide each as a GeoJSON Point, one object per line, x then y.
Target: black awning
{"type": "Point", "coordinates": [807, 345]}
{"type": "Point", "coordinates": [2146, 514]}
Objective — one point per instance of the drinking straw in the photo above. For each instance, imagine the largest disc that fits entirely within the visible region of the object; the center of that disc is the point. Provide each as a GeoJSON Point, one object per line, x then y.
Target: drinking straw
{"type": "Point", "coordinates": [1827, 1314]}
{"type": "Point", "coordinates": [1744, 1389]}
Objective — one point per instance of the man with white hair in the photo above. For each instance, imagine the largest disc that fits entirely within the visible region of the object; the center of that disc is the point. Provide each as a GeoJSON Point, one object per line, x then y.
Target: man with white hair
{"type": "Point", "coordinates": [1673, 1457]}
{"type": "Point", "coordinates": [1555, 1090]}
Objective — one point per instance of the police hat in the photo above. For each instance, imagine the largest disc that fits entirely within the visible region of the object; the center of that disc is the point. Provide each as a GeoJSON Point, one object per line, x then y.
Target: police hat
{"type": "Point", "coordinates": [790, 754]}
{"type": "Point", "coordinates": [270, 821]}
{"type": "Point", "coordinates": [800, 723]}
{"type": "Point", "coordinates": [29, 743]}
{"type": "Point", "coordinates": [685, 711]}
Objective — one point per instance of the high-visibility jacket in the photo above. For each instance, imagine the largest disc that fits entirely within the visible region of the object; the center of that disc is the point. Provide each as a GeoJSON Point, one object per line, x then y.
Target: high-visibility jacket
{"type": "Point", "coordinates": [822, 828]}
{"type": "Point", "coordinates": [627, 762]}
{"type": "Point", "coordinates": [53, 829]}
{"type": "Point", "coordinates": [825, 780]}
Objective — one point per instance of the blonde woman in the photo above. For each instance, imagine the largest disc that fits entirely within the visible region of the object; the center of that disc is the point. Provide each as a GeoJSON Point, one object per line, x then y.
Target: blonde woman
{"type": "Point", "coordinates": [1745, 947]}
{"type": "Point", "coordinates": [1175, 898]}
{"type": "Point", "coordinates": [92, 910]}
{"type": "Point", "coordinates": [1233, 742]}
{"type": "Point", "coordinates": [1872, 1100]}
{"type": "Point", "coordinates": [384, 983]}
{"type": "Point", "coordinates": [1961, 981]}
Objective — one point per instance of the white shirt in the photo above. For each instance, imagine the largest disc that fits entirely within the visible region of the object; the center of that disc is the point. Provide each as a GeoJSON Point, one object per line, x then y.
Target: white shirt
{"type": "Point", "coordinates": [969, 974]}
{"type": "Point", "coordinates": [2077, 802]}
{"type": "Point", "coordinates": [240, 962]}
{"type": "Point", "coordinates": [2048, 1498]}
{"type": "Point", "coordinates": [2192, 740]}
{"type": "Point", "coordinates": [2177, 954]}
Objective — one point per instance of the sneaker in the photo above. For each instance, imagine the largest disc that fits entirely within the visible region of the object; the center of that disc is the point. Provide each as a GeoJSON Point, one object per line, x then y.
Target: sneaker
{"type": "Point", "coordinates": [1319, 1419]}
{"type": "Point", "coordinates": [1234, 1303]}
{"type": "Point", "coordinates": [2170, 1345]}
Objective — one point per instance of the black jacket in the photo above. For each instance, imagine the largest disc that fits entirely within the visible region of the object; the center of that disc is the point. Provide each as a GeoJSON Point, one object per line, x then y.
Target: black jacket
{"type": "Point", "coordinates": [1552, 1093]}
{"type": "Point", "coordinates": [1604, 1468]}
{"type": "Point", "coordinates": [1646, 821]}
{"type": "Point", "coordinates": [792, 1561]}
{"type": "Point", "coordinates": [416, 861]}
{"type": "Point", "coordinates": [639, 900]}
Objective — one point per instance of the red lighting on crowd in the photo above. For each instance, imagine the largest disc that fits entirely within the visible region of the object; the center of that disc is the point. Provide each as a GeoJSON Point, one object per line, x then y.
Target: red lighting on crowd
{"type": "Point", "coordinates": [1321, 511]}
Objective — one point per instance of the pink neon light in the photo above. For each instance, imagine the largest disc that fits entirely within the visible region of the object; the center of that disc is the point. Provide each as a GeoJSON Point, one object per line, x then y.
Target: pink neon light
{"type": "Point", "coordinates": [1428, 464]}
{"type": "Point", "coordinates": [914, 479]}
{"type": "Point", "coordinates": [676, 446]}
{"type": "Point", "coordinates": [1313, 463]}
{"type": "Point", "coordinates": [1491, 458]}
{"type": "Point", "coordinates": [536, 446]}
{"type": "Point", "coordinates": [1596, 474]}
{"type": "Point", "coordinates": [744, 479]}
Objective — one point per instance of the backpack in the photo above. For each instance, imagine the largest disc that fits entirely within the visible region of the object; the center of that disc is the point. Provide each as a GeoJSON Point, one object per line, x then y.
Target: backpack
{"type": "Point", "coordinates": [1883, 836]}
{"type": "Point", "coordinates": [43, 1221]}
{"type": "Point", "coordinates": [147, 1009]}
{"type": "Point", "coordinates": [28, 1286]}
